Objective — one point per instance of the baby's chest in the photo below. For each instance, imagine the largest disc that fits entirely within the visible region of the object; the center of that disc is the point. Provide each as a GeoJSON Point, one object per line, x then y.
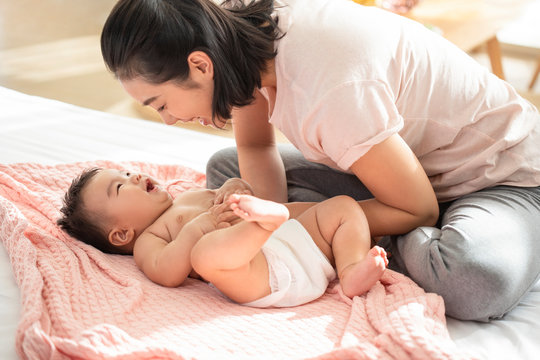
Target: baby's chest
{"type": "Point", "coordinates": [177, 218]}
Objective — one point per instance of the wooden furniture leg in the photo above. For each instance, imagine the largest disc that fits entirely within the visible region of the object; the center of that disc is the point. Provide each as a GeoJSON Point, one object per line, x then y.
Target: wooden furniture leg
{"type": "Point", "coordinates": [494, 52]}
{"type": "Point", "coordinates": [535, 76]}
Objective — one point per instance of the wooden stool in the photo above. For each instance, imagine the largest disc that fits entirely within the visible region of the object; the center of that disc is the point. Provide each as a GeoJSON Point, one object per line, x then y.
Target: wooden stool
{"type": "Point", "coordinates": [535, 76]}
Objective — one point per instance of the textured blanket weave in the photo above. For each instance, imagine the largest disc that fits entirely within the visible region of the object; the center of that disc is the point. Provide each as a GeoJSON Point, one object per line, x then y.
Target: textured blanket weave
{"type": "Point", "coordinates": [80, 303]}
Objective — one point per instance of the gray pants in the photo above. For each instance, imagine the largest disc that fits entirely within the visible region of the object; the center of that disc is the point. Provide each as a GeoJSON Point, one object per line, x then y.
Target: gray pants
{"type": "Point", "coordinates": [482, 257]}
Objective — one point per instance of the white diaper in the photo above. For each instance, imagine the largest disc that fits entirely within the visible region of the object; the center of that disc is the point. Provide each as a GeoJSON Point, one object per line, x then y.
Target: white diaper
{"type": "Point", "coordinates": [299, 272]}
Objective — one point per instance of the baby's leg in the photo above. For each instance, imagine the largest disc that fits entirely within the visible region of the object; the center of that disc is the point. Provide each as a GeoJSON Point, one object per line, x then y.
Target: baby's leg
{"type": "Point", "coordinates": [358, 277]}
{"type": "Point", "coordinates": [231, 257]}
{"type": "Point", "coordinates": [267, 214]}
{"type": "Point", "coordinates": [338, 226]}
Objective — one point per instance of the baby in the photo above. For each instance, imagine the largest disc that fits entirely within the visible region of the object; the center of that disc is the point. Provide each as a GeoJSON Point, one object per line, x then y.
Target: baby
{"type": "Point", "coordinates": [247, 247]}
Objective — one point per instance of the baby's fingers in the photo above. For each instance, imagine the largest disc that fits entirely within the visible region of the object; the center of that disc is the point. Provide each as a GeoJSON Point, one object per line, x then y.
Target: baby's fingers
{"type": "Point", "coordinates": [219, 208]}
{"type": "Point", "coordinates": [223, 225]}
{"type": "Point", "coordinates": [227, 216]}
{"type": "Point", "coordinates": [218, 199]}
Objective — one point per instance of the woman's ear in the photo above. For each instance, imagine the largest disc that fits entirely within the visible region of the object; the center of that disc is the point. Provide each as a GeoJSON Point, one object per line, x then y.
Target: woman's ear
{"type": "Point", "coordinates": [201, 64]}
{"type": "Point", "coordinates": [120, 237]}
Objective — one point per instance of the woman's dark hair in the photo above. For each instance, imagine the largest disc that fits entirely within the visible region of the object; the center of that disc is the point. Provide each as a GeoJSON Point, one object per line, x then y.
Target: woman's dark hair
{"type": "Point", "coordinates": [153, 39]}
{"type": "Point", "coordinates": [78, 222]}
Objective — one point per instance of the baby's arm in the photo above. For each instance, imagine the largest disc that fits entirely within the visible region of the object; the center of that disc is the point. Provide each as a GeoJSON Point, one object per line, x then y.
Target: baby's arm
{"type": "Point", "coordinates": [168, 263]}
{"type": "Point", "coordinates": [236, 246]}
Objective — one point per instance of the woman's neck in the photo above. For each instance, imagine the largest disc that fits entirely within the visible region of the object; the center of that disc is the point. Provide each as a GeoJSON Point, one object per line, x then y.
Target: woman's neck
{"type": "Point", "coordinates": [268, 78]}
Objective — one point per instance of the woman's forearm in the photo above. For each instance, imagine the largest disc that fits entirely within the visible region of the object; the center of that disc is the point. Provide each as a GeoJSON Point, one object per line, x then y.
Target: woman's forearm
{"type": "Point", "coordinates": [403, 196]}
{"type": "Point", "coordinates": [386, 220]}
{"type": "Point", "coordinates": [263, 169]}
{"type": "Point", "coordinates": [258, 158]}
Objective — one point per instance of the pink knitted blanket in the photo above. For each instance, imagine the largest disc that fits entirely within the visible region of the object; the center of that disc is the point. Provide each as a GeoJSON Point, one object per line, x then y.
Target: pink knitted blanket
{"type": "Point", "coordinates": [80, 303]}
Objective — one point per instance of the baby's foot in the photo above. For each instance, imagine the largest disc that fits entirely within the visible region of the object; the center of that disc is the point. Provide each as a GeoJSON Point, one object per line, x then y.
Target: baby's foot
{"type": "Point", "coordinates": [358, 278]}
{"type": "Point", "coordinates": [268, 214]}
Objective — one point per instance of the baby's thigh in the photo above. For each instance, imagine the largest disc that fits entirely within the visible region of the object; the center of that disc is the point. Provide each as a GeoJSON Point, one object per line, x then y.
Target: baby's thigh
{"type": "Point", "coordinates": [309, 219]}
{"type": "Point", "coordinates": [232, 282]}
{"type": "Point", "coordinates": [323, 220]}
{"type": "Point", "coordinates": [298, 208]}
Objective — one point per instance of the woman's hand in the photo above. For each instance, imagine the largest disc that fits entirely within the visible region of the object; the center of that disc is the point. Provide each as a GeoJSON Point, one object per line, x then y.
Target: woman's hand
{"type": "Point", "coordinates": [232, 186]}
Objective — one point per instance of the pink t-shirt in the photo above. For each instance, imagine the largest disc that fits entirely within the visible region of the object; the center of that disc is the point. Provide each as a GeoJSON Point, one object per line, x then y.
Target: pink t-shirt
{"type": "Point", "coordinates": [349, 76]}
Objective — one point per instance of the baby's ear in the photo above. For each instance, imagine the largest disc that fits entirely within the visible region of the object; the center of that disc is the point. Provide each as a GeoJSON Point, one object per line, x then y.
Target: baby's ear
{"type": "Point", "coordinates": [120, 237]}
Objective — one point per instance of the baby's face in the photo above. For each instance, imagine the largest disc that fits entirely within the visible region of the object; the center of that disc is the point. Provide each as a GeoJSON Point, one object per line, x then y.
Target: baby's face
{"type": "Point", "coordinates": [128, 199]}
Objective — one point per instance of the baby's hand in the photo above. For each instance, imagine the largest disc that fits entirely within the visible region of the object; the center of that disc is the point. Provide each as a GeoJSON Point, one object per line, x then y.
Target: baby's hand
{"type": "Point", "coordinates": [224, 215]}
{"type": "Point", "coordinates": [232, 186]}
{"type": "Point", "coordinates": [207, 222]}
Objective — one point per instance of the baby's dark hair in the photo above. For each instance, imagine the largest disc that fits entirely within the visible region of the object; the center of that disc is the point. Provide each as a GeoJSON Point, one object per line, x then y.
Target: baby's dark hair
{"type": "Point", "coordinates": [78, 221]}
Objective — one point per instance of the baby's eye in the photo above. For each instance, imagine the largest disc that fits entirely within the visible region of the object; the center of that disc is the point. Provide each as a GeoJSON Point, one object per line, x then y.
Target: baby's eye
{"type": "Point", "coordinates": [128, 174]}
{"type": "Point", "coordinates": [118, 188]}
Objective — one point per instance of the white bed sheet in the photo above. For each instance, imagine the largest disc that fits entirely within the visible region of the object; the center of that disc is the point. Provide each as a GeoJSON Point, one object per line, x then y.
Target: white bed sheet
{"type": "Point", "coordinates": [34, 129]}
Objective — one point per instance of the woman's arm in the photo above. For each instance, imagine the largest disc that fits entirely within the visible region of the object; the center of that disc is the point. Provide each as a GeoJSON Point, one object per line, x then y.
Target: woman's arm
{"type": "Point", "coordinates": [403, 196]}
{"type": "Point", "coordinates": [259, 160]}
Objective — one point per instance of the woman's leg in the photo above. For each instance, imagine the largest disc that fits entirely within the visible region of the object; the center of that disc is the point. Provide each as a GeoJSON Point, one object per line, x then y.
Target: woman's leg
{"type": "Point", "coordinates": [485, 257]}
{"type": "Point", "coordinates": [306, 180]}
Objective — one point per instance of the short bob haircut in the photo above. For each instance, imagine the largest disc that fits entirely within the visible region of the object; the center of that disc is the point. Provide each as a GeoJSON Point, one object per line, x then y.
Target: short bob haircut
{"type": "Point", "coordinates": [152, 39]}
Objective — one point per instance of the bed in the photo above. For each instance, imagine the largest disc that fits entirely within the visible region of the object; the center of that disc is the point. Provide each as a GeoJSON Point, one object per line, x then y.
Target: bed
{"type": "Point", "coordinates": [49, 137]}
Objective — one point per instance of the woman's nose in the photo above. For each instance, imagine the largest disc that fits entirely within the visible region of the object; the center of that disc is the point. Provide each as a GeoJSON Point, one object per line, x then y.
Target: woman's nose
{"type": "Point", "coordinates": [168, 119]}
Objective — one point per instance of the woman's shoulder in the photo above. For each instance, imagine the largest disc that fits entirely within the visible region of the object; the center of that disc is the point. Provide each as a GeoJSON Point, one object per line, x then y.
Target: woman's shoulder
{"type": "Point", "coordinates": [321, 30]}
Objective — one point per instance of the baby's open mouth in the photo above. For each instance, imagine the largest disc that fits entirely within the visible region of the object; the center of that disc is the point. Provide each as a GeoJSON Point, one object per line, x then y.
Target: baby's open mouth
{"type": "Point", "coordinates": [149, 185]}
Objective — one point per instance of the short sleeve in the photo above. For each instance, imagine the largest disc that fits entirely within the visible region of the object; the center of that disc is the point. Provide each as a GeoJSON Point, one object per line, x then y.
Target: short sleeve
{"type": "Point", "coordinates": [352, 118]}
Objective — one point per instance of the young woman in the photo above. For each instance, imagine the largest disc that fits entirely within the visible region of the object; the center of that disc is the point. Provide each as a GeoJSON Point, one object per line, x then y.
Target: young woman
{"type": "Point", "coordinates": [377, 106]}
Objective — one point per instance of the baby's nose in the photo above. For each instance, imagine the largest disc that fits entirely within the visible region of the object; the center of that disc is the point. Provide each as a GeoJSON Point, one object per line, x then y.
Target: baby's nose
{"type": "Point", "coordinates": [136, 178]}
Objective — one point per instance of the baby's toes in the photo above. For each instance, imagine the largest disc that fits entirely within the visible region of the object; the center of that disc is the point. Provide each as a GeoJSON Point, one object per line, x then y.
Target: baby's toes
{"type": "Point", "coordinates": [379, 254]}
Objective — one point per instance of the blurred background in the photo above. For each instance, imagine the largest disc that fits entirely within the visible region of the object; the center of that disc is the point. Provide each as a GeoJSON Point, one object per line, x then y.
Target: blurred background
{"type": "Point", "coordinates": [50, 48]}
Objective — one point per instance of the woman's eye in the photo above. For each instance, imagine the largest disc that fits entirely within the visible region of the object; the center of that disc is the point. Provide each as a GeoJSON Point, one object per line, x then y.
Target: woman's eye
{"type": "Point", "coordinates": [161, 108]}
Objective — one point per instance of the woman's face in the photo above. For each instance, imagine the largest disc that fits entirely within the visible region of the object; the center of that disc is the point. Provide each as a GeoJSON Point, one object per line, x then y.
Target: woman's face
{"type": "Point", "coordinates": [189, 102]}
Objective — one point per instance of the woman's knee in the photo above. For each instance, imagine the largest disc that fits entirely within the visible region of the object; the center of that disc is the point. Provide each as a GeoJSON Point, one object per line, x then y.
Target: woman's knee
{"type": "Point", "coordinates": [479, 293]}
{"type": "Point", "coordinates": [473, 284]}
